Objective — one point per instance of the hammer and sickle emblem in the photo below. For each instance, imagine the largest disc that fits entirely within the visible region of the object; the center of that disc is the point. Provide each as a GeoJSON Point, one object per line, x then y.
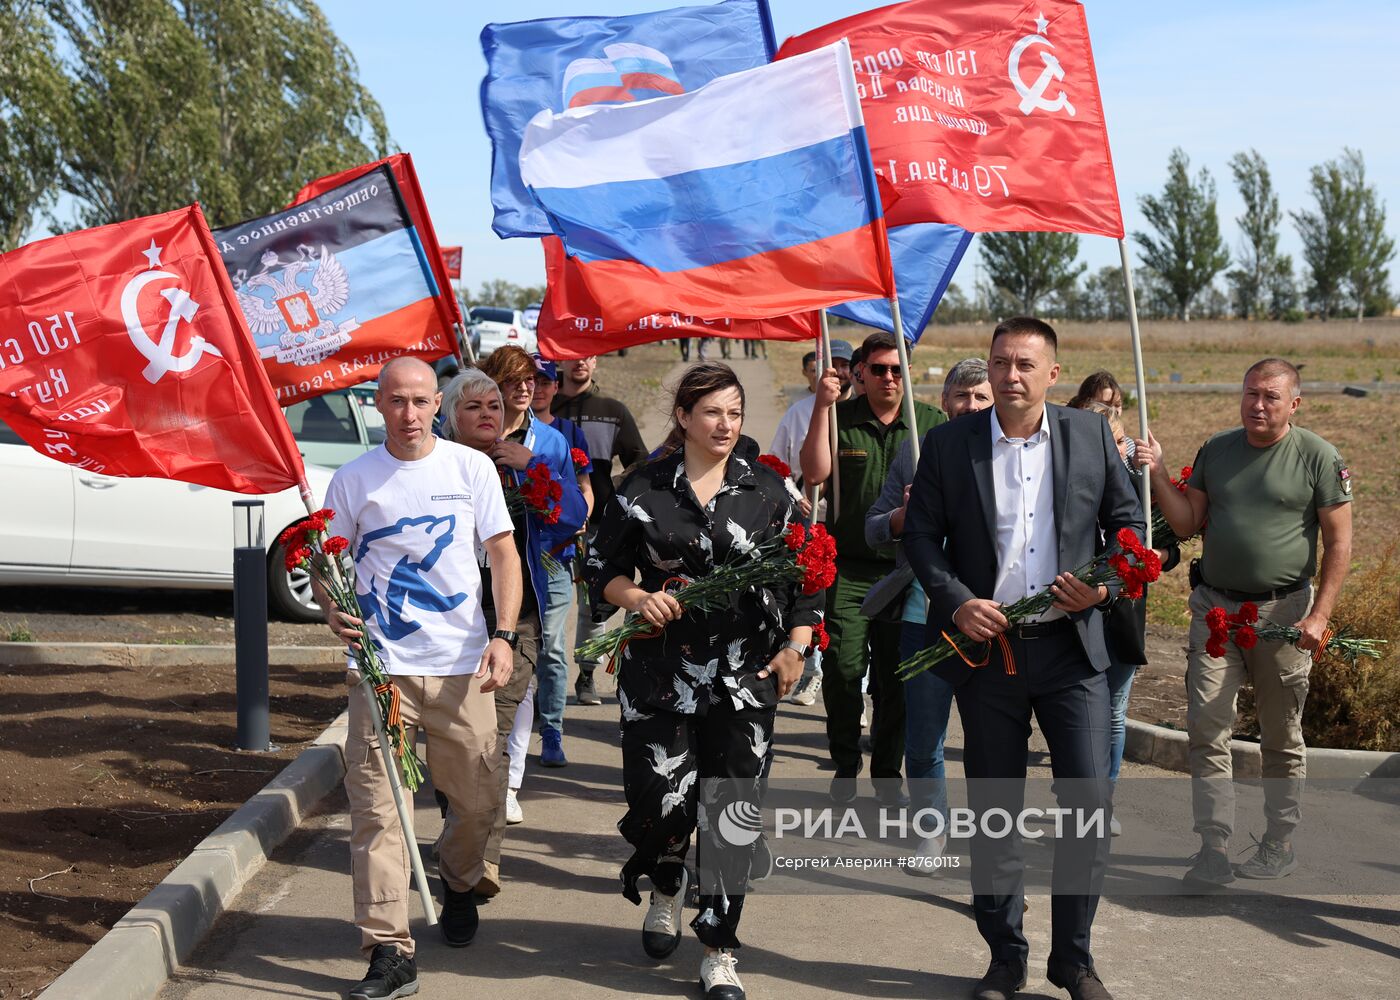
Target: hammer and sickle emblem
{"type": "Point", "coordinates": [160, 353]}
{"type": "Point", "coordinates": [1033, 97]}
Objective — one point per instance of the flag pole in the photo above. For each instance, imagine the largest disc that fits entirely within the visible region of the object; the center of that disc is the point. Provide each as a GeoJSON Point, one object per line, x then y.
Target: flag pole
{"type": "Point", "coordinates": [813, 493]}
{"type": "Point", "coordinates": [834, 493]}
{"type": "Point", "coordinates": [908, 403]}
{"type": "Point", "coordinates": [391, 768]}
{"type": "Point", "coordinates": [464, 343]}
{"type": "Point", "coordinates": [1141, 381]}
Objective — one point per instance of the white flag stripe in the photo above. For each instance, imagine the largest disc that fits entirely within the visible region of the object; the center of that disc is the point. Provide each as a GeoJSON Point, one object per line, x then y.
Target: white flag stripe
{"type": "Point", "coordinates": [761, 112]}
{"type": "Point", "coordinates": [631, 50]}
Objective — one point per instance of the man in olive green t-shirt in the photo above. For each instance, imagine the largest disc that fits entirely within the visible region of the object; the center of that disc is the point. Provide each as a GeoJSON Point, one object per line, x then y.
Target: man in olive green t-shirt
{"type": "Point", "coordinates": [869, 430]}
{"type": "Point", "coordinates": [1262, 492]}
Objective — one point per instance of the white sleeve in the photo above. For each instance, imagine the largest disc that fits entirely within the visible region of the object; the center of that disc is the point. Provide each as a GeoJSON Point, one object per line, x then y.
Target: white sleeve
{"type": "Point", "coordinates": [782, 439]}
{"type": "Point", "coordinates": [488, 499]}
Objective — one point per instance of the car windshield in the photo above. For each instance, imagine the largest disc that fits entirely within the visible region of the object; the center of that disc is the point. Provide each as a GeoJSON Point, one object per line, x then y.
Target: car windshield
{"type": "Point", "coordinates": [487, 314]}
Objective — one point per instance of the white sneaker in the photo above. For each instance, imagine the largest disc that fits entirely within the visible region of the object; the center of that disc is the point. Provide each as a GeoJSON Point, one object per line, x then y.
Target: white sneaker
{"type": "Point", "coordinates": [719, 976]}
{"type": "Point", "coordinates": [661, 930]}
{"type": "Point", "coordinates": [924, 863]}
{"type": "Point", "coordinates": [864, 720]}
{"type": "Point", "coordinates": [807, 690]}
{"type": "Point", "coordinates": [514, 814]}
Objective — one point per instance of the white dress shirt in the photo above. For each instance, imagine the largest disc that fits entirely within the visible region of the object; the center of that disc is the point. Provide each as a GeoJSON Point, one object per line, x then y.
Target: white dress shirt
{"type": "Point", "coordinates": [1023, 481]}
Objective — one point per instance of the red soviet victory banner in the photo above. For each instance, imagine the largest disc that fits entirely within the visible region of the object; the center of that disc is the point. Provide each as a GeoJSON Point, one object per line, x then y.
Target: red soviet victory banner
{"type": "Point", "coordinates": [123, 352]}
{"type": "Point", "coordinates": [452, 261]}
{"type": "Point", "coordinates": [983, 113]}
{"type": "Point", "coordinates": [407, 179]}
{"type": "Point", "coordinates": [571, 323]}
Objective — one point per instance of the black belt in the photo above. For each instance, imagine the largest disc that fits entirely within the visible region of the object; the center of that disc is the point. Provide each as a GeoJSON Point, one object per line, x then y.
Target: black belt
{"type": "Point", "coordinates": [1039, 630]}
{"type": "Point", "coordinates": [1266, 595]}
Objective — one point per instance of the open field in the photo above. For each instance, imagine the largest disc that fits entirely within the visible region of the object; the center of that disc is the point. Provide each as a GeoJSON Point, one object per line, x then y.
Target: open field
{"type": "Point", "coordinates": [1203, 351]}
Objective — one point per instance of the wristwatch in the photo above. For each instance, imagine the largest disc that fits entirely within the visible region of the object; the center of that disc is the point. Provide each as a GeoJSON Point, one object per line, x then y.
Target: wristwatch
{"type": "Point", "coordinates": [798, 648]}
{"type": "Point", "coordinates": [509, 638]}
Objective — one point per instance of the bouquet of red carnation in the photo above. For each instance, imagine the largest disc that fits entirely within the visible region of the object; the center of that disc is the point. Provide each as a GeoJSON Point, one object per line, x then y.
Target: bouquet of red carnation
{"type": "Point", "coordinates": [777, 465]}
{"type": "Point", "coordinates": [798, 556]}
{"type": "Point", "coordinates": [1246, 628]}
{"type": "Point", "coordinates": [820, 638]}
{"type": "Point", "coordinates": [309, 546]}
{"type": "Point", "coordinates": [539, 494]}
{"type": "Point", "coordinates": [1135, 565]}
{"type": "Point", "coordinates": [580, 459]}
{"type": "Point", "coordinates": [1162, 534]}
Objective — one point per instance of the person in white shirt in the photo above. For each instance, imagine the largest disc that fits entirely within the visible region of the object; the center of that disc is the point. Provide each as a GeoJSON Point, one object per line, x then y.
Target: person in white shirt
{"type": "Point", "coordinates": [414, 511]}
{"type": "Point", "coordinates": [787, 445]}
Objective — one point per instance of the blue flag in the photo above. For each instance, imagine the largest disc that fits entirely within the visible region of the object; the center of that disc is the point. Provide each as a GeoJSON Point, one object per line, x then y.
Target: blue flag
{"type": "Point", "coordinates": [925, 256]}
{"type": "Point", "coordinates": [568, 62]}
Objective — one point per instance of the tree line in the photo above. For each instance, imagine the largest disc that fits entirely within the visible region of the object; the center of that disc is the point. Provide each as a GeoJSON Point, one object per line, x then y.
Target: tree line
{"type": "Point", "coordinates": [134, 107]}
{"type": "Point", "coordinates": [1344, 269]}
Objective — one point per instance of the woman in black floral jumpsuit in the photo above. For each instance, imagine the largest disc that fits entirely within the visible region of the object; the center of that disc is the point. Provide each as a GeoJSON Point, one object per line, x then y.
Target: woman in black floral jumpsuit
{"type": "Point", "coordinates": [699, 698]}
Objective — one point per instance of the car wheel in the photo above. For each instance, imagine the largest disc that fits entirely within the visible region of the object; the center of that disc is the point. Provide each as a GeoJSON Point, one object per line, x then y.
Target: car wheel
{"type": "Point", "coordinates": [289, 595]}
{"type": "Point", "coordinates": [622, 352]}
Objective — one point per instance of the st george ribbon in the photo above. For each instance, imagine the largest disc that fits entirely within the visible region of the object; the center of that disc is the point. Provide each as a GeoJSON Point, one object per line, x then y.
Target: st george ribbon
{"type": "Point", "coordinates": [334, 287]}
{"type": "Point", "coordinates": [751, 197]}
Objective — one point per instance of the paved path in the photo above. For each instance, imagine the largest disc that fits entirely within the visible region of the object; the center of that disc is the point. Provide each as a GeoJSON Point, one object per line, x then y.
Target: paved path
{"type": "Point", "coordinates": [560, 929]}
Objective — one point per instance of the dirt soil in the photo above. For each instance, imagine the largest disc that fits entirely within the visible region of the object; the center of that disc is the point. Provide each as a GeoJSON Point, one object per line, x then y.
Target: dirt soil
{"type": "Point", "coordinates": [109, 776]}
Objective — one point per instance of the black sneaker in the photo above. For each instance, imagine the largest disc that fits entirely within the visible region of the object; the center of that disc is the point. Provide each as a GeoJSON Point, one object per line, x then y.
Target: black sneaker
{"type": "Point", "coordinates": [1272, 859]}
{"type": "Point", "coordinates": [1210, 866]}
{"type": "Point", "coordinates": [584, 690]}
{"type": "Point", "coordinates": [890, 793]}
{"type": "Point", "coordinates": [459, 918]}
{"type": "Point", "coordinates": [843, 786]}
{"type": "Point", "coordinates": [390, 975]}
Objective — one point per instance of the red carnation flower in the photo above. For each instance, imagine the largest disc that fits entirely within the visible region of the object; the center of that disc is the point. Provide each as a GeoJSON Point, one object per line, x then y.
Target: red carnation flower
{"type": "Point", "coordinates": [335, 545]}
{"type": "Point", "coordinates": [580, 457]}
{"type": "Point", "coordinates": [293, 537]}
{"type": "Point", "coordinates": [819, 637]}
{"type": "Point", "coordinates": [796, 536]}
{"type": "Point", "coordinates": [776, 464]}
{"type": "Point", "coordinates": [1246, 637]}
{"type": "Point", "coordinates": [1248, 613]}
{"type": "Point", "coordinates": [1216, 619]}
{"type": "Point", "coordinates": [325, 514]}
{"type": "Point", "coordinates": [1215, 647]}
{"type": "Point", "coordinates": [295, 557]}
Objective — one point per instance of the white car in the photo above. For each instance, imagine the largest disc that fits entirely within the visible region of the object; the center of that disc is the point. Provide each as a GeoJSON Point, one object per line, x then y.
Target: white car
{"type": "Point", "coordinates": [62, 525]}
{"type": "Point", "coordinates": [496, 327]}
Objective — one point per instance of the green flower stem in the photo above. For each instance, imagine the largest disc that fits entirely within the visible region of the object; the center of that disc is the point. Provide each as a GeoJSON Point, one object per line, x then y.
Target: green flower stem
{"type": "Point", "coordinates": [1344, 642]}
{"type": "Point", "coordinates": [1095, 574]}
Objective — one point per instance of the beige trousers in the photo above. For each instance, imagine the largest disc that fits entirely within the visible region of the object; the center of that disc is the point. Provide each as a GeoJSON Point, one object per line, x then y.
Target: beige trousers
{"type": "Point", "coordinates": [1278, 672]}
{"type": "Point", "coordinates": [459, 722]}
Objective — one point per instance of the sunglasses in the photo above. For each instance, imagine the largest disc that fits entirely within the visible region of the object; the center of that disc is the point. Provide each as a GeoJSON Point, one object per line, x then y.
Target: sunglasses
{"type": "Point", "coordinates": [880, 371]}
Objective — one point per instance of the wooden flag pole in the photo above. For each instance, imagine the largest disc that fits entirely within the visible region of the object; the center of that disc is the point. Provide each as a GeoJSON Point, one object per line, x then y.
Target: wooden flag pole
{"type": "Point", "coordinates": [834, 492]}
{"type": "Point", "coordinates": [1141, 381]}
{"type": "Point", "coordinates": [908, 403]}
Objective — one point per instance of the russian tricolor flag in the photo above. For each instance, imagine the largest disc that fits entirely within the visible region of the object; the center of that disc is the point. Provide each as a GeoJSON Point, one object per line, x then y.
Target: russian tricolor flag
{"type": "Point", "coordinates": [751, 197]}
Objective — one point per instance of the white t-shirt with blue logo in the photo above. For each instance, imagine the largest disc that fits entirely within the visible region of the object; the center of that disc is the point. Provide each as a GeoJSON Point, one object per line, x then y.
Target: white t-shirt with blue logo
{"type": "Point", "coordinates": [414, 528]}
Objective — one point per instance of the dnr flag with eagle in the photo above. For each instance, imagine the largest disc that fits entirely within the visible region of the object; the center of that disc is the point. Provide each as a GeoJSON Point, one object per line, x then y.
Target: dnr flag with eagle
{"type": "Point", "coordinates": [335, 286]}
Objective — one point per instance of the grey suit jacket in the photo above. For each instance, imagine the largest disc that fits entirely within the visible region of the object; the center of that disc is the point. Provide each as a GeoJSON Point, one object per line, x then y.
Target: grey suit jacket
{"type": "Point", "coordinates": [950, 527]}
{"type": "Point", "coordinates": [894, 585]}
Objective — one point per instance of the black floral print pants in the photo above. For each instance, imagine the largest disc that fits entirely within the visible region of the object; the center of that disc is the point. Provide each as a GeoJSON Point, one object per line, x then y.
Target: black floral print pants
{"type": "Point", "coordinates": [701, 773]}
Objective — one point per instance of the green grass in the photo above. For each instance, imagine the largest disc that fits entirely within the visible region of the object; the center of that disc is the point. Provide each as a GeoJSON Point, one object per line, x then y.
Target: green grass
{"type": "Point", "coordinates": [19, 633]}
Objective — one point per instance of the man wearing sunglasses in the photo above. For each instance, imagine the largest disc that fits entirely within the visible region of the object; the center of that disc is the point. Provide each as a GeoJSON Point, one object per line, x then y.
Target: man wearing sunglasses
{"type": "Point", "coordinates": [870, 430]}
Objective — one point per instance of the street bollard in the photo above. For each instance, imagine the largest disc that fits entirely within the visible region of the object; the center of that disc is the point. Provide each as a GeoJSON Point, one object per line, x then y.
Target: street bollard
{"type": "Point", "coordinates": [250, 624]}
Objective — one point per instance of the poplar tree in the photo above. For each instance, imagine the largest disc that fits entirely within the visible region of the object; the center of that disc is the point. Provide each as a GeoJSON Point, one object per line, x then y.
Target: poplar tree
{"type": "Point", "coordinates": [1029, 267]}
{"type": "Point", "coordinates": [1185, 249]}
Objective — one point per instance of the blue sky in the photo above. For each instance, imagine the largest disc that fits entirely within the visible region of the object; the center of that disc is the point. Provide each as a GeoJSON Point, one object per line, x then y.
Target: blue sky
{"type": "Point", "coordinates": [1297, 81]}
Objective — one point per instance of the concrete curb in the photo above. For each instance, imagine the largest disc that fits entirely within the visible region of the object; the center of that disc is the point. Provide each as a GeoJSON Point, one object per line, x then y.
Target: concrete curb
{"type": "Point", "coordinates": [1169, 748]}
{"type": "Point", "coordinates": [133, 960]}
{"type": "Point", "coordinates": [122, 654]}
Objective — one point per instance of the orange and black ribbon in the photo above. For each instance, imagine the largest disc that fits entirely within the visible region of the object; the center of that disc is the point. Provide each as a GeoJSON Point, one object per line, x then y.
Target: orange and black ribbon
{"type": "Point", "coordinates": [393, 719]}
{"type": "Point", "coordinates": [1006, 655]}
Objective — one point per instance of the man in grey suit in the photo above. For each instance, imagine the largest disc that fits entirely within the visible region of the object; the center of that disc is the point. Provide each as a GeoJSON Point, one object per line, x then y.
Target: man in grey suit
{"type": "Point", "coordinates": [1005, 504]}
